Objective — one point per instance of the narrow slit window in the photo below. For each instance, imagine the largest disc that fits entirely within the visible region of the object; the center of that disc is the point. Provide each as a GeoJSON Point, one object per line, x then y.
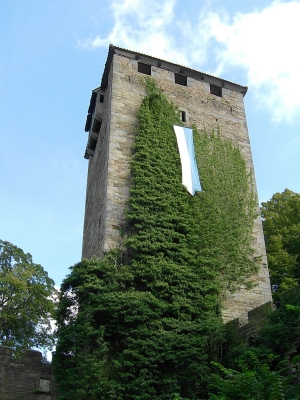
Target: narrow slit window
{"type": "Point", "coordinates": [180, 79]}
{"type": "Point", "coordinates": [96, 125]}
{"type": "Point", "coordinates": [183, 116]}
{"type": "Point", "coordinates": [216, 90]}
{"type": "Point", "coordinates": [144, 68]}
{"type": "Point", "coordinates": [101, 99]}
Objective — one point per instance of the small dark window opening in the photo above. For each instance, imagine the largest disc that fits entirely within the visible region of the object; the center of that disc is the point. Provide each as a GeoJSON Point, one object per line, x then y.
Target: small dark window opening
{"type": "Point", "coordinates": [92, 144]}
{"type": "Point", "coordinates": [181, 79]}
{"type": "Point", "coordinates": [183, 116]}
{"type": "Point", "coordinates": [144, 68]}
{"type": "Point", "coordinates": [96, 125]}
{"type": "Point", "coordinates": [216, 90]}
{"type": "Point", "coordinates": [101, 99]}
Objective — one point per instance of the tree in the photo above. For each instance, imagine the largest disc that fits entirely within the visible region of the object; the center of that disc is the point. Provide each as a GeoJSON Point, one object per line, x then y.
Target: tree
{"type": "Point", "coordinates": [281, 223]}
{"type": "Point", "coordinates": [26, 300]}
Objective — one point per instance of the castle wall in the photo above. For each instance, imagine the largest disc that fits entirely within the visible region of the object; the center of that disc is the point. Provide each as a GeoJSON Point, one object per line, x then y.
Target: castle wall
{"type": "Point", "coordinates": [257, 320]}
{"type": "Point", "coordinates": [25, 378]}
{"type": "Point", "coordinates": [125, 92]}
{"type": "Point", "coordinates": [96, 192]}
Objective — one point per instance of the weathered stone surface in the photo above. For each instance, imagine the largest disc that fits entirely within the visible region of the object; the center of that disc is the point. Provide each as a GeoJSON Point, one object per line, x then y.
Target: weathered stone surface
{"type": "Point", "coordinates": [109, 177]}
{"type": "Point", "coordinates": [257, 320]}
{"type": "Point", "coordinates": [25, 378]}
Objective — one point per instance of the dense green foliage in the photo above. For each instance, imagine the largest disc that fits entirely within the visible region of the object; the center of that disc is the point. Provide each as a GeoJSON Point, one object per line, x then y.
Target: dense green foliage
{"type": "Point", "coordinates": [129, 343]}
{"type": "Point", "coordinates": [212, 228]}
{"type": "Point", "coordinates": [224, 212]}
{"type": "Point", "coordinates": [255, 380]}
{"type": "Point", "coordinates": [148, 328]}
{"type": "Point", "coordinates": [281, 223]}
{"type": "Point", "coordinates": [25, 304]}
{"type": "Point", "coordinates": [261, 369]}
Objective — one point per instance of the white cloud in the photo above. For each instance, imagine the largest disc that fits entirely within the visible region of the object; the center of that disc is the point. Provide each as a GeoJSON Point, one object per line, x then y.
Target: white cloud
{"type": "Point", "coordinates": [263, 43]}
{"type": "Point", "coordinates": [142, 26]}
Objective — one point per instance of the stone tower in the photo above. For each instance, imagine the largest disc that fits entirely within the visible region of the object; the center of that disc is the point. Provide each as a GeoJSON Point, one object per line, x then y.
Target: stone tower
{"type": "Point", "coordinates": [204, 100]}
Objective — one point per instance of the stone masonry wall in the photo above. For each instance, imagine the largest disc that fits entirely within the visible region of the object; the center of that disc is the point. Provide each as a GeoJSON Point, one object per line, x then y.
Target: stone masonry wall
{"type": "Point", "coordinates": [126, 90]}
{"type": "Point", "coordinates": [95, 207]}
{"type": "Point", "coordinates": [257, 319]}
{"type": "Point", "coordinates": [25, 378]}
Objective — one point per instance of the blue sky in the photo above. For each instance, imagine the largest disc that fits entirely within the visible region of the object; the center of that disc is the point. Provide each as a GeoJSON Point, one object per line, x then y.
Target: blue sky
{"type": "Point", "coordinates": [53, 55]}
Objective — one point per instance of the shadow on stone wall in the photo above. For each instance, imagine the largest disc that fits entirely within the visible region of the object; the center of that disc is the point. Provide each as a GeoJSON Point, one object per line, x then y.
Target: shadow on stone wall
{"type": "Point", "coordinates": [257, 319]}
{"type": "Point", "coordinates": [25, 378]}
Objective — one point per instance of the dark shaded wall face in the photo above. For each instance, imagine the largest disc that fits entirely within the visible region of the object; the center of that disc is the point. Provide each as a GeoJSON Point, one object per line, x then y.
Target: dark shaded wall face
{"type": "Point", "coordinates": [26, 377]}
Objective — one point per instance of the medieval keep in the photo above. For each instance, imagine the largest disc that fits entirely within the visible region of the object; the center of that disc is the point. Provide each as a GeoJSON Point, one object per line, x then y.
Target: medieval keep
{"type": "Point", "coordinates": [203, 100]}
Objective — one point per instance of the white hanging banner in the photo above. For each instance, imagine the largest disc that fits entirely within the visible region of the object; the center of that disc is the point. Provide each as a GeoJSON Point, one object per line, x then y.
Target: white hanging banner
{"type": "Point", "coordinates": [190, 176]}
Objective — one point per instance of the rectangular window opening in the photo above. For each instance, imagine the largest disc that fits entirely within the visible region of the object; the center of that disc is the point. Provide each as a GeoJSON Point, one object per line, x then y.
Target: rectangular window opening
{"type": "Point", "coordinates": [180, 79]}
{"type": "Point", "coordinates": [92, 144]}
{"type": "Point", "coordinates": [183, 116]}
{"type": "Point", "coordinates": [144, 68]}
{"type": "Point", "coordinates": [216, 90]}
{"type": "Point", "coordinates": [101, 98]}
{"type": "Point", "coordinates": [96, 125]}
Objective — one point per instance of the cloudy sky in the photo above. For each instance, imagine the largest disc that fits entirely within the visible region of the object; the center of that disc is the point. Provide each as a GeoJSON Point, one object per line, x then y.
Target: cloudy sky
{"type": "Point", "coordinates": [52, 56]}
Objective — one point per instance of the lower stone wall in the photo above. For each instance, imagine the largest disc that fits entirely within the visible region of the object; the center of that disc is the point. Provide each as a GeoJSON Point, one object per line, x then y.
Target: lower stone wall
{"type": "Point", "coordinates": [25, 378]}
{"type": "Point", "coordinates": [257, 319]}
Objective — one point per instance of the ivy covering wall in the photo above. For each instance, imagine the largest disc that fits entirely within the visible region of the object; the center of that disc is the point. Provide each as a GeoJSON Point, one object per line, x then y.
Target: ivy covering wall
{"type": "Point", "coordinates": [213, 229]}
{"type": "Point", "coordinates": [149, 327]}
{"type": "Point", "coordinates": [225, 211]}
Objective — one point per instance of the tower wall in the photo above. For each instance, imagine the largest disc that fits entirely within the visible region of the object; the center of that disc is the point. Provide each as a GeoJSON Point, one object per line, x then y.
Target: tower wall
{"type": "Point", "coordinates": [109, 177]}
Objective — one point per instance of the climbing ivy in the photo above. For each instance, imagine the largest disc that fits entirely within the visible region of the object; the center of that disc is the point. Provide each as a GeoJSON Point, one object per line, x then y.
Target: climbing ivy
{"type": "Point", "coordinates": [212, 230]}
{"type": "Point", "coordinates": [149, 326]}
{"type": "Point", "coordinates": [225, 211]}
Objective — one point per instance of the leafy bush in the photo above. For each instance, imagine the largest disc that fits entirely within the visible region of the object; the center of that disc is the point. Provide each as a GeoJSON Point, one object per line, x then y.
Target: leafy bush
{"type": "Point", "coordinates": [262, 369]}
{"type": "Point", "coordinates": [255, 380]}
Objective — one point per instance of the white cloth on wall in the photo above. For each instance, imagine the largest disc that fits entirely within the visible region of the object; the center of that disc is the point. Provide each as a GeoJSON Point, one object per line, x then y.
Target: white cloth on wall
{"type": "Point", "coordinates": [190, 175]}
